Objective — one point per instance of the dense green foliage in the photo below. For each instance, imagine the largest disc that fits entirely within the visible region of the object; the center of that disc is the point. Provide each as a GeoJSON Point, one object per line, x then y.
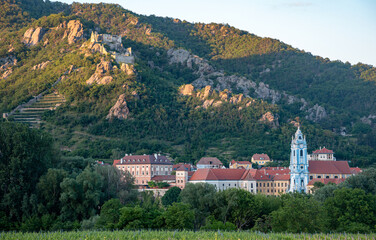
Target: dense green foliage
{"type": "Point", "coordinates": [147, 234]}
{"type": "Point", "coordinates": [43, 191]}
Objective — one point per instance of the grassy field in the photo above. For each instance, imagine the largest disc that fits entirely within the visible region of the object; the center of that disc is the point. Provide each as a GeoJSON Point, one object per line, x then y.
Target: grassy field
{"type": "Point", "coordinates": [186, 235]}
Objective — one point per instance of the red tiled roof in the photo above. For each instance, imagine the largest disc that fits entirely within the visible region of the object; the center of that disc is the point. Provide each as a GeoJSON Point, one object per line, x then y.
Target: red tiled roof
{"type": "Point", "coordinates": [244, 162]}
{"type": "Point", "coordinates": [323, 151]}
{"type": "Point", "coordinates": [356, 170]}
{"type": "Point", "coordinates": [329, 167]}
{"type": "Point", "coordinates": [190, 173]}
{"type": "Point", "coordinates": [262, 156]}
{"type": "Point", "coordinates": [273, 173]}
{"type": "Point", "coordinates": [163, 178]}
{"type": "Point", "coordinates": [217, 174]}
{"type": "Point", "coordinates": [232, 162]}
{"type": "Point", "coordinates": [182, 167]}
{"type": "Point", "coordinates": [143, 159]}
{"type": "Point", "coordinates": [326, 180]}
{"type": "Point", "coordinates": [209, 160]}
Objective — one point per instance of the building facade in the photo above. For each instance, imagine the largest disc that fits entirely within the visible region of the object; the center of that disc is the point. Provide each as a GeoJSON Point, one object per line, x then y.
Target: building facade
{"type": "Point", "coordinates": [209, 162]}
{"type": "Point", "coordinates": [260, 159]}
{"type": "Point", "coordinates": [240, 164]}
{"type": "Point", "coordinates": [322, 154]}
{"type": "Point", "coordinates": [144, 167]}
{"type": "Point", "coordinates": [298, 163]}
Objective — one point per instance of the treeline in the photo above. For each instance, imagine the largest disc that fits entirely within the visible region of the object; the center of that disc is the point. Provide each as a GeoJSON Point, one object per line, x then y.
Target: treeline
{"type": "Point", "coordinates": [42, 191]}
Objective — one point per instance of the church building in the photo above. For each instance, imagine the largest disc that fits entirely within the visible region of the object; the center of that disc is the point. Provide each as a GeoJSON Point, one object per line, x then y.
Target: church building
{"type": "Point", "coordinates": [298, 163]}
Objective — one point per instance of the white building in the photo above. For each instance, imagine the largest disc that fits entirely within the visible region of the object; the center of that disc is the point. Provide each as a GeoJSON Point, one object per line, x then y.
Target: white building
{"type": "Point", "coordinates": [322, 154]}
{"type": "Point", "coordinates": [226, 178]}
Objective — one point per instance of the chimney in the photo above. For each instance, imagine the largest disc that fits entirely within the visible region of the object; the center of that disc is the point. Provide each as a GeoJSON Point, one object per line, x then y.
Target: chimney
{"type": "Point", "coordinates": [156, 156]}
{"type": "Point", "coordinates": [121, 160]}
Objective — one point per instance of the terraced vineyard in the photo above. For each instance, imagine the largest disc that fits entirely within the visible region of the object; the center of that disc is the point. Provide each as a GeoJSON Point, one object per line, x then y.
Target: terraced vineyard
{"type": "Point", "coordinates": [31, 114]}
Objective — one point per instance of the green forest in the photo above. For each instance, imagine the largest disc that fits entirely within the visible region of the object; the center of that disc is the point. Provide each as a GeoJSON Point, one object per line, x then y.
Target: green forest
{"type": "Point", "coordinates": [43, 190]}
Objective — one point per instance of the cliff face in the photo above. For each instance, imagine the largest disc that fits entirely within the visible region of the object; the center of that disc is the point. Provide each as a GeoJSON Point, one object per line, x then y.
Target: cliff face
{"type": "Point", "coordinates": [209, 76]}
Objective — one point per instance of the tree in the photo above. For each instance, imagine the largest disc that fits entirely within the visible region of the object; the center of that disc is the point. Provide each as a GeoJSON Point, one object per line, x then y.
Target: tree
{"type": "Point", "coordinates": [299, 213]}
{"type": "Point", "coordinates": [49, 190]}
{"type": "Point", "coordinates": [132, 218]}
{"type": "Point", "coordinates": [110, 214]}
{"type": "Point", "coordinates": [171, 196]}
{"type": "Point", "coordinates": [116, 184]}
{"type": "Point", "coordinates": [201, 196]}
{"type": "Point", "coordinates": [80, 197]}
{"type": "Point", "coordinates": [238, 206]}
{"type": "Point", "coordinates": [365, 180]}
{"type": "Point", "coordinates": [179, 216]}
{"type": "Point", "coordinates": [351, 210]}
{"type": "Point", "coordinates": [25, 155]}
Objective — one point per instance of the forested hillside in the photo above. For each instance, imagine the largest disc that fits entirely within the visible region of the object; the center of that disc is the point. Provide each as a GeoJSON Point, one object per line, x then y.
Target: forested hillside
{"type": "Point", "coordinates": [259, 87]}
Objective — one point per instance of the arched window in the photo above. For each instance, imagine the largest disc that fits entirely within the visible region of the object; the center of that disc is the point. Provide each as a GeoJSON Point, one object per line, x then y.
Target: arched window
{"type": "Point", "coordinates": [301, 153]}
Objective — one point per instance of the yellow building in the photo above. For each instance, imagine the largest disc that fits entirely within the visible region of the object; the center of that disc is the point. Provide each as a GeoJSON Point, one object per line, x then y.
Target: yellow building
{"type": "Point", "coordinates": [260, 159]}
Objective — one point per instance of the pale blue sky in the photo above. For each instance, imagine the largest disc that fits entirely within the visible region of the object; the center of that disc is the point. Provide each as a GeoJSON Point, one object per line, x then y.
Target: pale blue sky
{"type": "Point", "coordinates": [338, 29]}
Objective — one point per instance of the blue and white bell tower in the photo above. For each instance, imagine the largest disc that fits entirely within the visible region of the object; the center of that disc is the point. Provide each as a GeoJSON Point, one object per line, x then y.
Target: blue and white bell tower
{"type": "Point", "coordinates": [298, 163]}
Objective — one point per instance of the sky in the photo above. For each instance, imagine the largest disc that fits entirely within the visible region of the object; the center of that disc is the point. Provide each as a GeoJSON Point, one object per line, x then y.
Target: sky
{"type": "Point", "coordinates": [342, 30]}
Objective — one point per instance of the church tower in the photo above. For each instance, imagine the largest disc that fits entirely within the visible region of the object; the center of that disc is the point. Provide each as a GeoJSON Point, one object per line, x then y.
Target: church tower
{"type": "Point", "coordinates": [298, 163]}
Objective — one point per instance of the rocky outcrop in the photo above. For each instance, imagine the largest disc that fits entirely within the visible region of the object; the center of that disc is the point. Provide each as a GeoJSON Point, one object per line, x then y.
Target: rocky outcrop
{"type": "Point", "coordinates": [6, 74]}
{"type": "Point", "coordinates": [316, 113]}
{"type": "Point", "coordinates": [75, 31]}
{"type": "Point", "coordinates": [236, 99]}
{"type": "Point", "coordinates": [368, 120]}
{"type": "Point", "coordinates": [208, 76]}
{"type": "Point", "coordinates": [33, 36]}
{"type": "Point", "coordinates": [207, 103]}
{"type": "Point", "coordinates": [269, 118]}
{"type": "Point", "coordinates": [186, 58]}
{"type": "Point", "coordinates": [41, 66]}
{"type": "Point", "coordinates": [101, 75]}
{"type": "Point", "coordinates": [6, 65]}
{"type": "Point", "coordinates": [120, 110]}
{"type": "Point", "coordinates": [187, 89]}
{"type": "Point", "coordinates": [128, 69]}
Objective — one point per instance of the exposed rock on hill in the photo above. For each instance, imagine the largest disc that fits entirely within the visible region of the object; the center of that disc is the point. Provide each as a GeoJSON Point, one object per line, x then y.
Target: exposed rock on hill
{"type": "Point", "coordinates": [368, 120]}
{"type": "Point", "coordinates": [187, 89]}
{"type": "Point", "coordinates": [120, 110]}
{"type": "Point", "coordinates": [184, 57]}
{"type": "Point", "coordinates": [41, 66]}
{"type": "Point", "coordinates": [128, 69]}
{"type": "Point", "coordinates": [6, 65]}
{"type": "Point", "coordinates": [268, 117]}
{"type": "Point", "coordinates": [209, 77]}
{"type": "Point", "coordinates": [33, 36]}
{"type": "Point", "coordinates": [101, 75]}
{"type": "Point", "coordinates": [75, 31]}
{"type": "Point", "coordinates": [316, 113]}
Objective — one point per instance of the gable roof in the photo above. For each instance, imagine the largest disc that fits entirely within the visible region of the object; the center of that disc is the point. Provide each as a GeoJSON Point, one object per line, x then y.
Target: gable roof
{"type": "Point", "coordinates": [143, 159]}
{"type": "Point", "coordinates": [210, 161]}
{"type": "Point", "coordinates": [273, 173]}
{"type": "Point", "coordinates": [326, 180]}
{"type": "Point", "coordinates": [323, 151]}
{"type": "Point", "coordinates": [356, 170]}
{"type": "Point", "coordinates": [208, 174]}
{"type": "Point", "coordinates": [262, 156]}
{"type": "Point", "coordinates": [163, 178]}
{"type": "Point", "coordinates": [182, 167]}
{"type": "Point", "coordinates": [329, 167]}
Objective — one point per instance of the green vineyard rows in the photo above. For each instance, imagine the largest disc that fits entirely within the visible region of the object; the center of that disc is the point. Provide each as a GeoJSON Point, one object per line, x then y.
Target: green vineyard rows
{"type": "Point", "coordinates": [186, 235]}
